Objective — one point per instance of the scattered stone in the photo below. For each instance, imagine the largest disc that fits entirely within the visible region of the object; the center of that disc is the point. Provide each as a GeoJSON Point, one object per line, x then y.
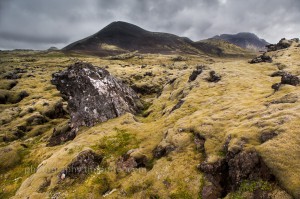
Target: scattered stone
{"type": "Point", "coordinates": [144, 66]}
{"type": "Point", "coordinates": [261, 58]}
{"type": "Point", "coordinates": [213, 77]}
{"type": "Point", "coordinates": [85, 163]}
{"type": "Point", "coordinates": [94, 95]}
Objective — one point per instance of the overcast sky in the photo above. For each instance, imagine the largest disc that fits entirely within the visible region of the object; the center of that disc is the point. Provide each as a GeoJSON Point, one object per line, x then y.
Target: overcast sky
{"type": "Point", "coordinates": [40, 24]}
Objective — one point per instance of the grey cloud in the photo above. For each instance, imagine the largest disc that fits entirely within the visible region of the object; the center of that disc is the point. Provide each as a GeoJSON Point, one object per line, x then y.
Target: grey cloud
{"type": "Point", "coordinates": [39, 24]}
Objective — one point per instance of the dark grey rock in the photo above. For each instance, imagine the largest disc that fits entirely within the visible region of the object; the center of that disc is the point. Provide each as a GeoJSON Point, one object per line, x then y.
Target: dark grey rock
{"type": "Point", "coordinates": [282, 44]}
{"type": "Point", "coordinates": [94, 95]}
{"type": "Point", "coordinates": [85, 163]}
{"type": "Point", "coordinates": [213, 77]}
{"type": "Point", "coordinates": [290, 79]}
{"type": "Point", "coordinates": [161, 151]}
{"type": "Point", "coordinates": [261, 58]}
{"type": "Point", "coordinates": [265, 136]}
{"type": "Point", "coordinates": [195, 74]}
{"type": "Point", "coordinates": [177, 106]}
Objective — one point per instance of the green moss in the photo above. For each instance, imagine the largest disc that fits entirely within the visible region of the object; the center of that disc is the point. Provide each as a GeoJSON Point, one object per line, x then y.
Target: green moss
{"type": "Point", "coordinates": [11, 97]}
{"type": "Point", "coordinates": [7, 84]}
{"type": "Point", "coordinates": [182, 194]}
{"type": "Point", "coordinates": [103, 183]}
{"type": "Point", "coordinates": [118, 144]}
{"type": "Point", "coordinates": [251, 186]}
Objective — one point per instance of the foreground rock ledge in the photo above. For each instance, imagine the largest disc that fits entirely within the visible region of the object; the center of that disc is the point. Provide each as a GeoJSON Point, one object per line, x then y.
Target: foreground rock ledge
{"type": "Point", "coordinates": [94, 95]}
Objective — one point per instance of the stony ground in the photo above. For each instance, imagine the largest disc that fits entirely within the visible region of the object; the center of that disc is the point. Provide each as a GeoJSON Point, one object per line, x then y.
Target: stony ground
{"type": "Point", "coordinates": [170, 149]}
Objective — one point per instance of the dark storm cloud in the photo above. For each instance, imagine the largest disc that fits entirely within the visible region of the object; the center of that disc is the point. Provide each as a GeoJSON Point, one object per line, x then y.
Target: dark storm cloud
{"type": "Point", "coordinates": [40, 24]}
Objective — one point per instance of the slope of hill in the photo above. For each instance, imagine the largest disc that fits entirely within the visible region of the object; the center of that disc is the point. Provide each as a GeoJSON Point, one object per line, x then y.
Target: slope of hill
{"type": "Point", "coordinates": [221, 48]}
{"type": "Point", "coordinates": [209, 129]}
{"type": "Point", "coordinates": [244, 40]}
{"type": "Point", "coordinates": [121, 37]}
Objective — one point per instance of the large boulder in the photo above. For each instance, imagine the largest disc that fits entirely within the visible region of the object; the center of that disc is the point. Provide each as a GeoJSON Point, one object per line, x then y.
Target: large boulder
{"type": "Point", "coordinates": [94, 95]}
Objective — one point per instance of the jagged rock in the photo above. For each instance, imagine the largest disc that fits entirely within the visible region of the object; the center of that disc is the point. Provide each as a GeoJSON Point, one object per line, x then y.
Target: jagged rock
{"type": "Point", "coordinates": [129, 161]}
{"type": "Point", "coordinates": [94, 95]}
{"type": "Point", "coordinates": [265, 136]}
{"type": "Point", "coordinates": [282, 44]}
{"type": "Point", "coordinates": [195, 73]}
{"type": "Point", "coordinates": [287, 78]}
{"type": "Point", "coordinates": [213, 77]}
{"type": "Point", "coordinates": [226, 174]}
{"type": "Point", "coordinates": [290, 79]}
{"type": "Point", "coordinates": [85, 163]}
{"type": "Point", "coordinates": [246, 165]}
{"type": "Point", "coordinates": [261, 58]}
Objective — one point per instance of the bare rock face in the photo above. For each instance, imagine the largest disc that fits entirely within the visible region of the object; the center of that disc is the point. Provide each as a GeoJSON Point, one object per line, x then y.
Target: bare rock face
{"type": "Point", "coordinates": [228, 173]}
{"type": "Point", "coordinates": [94, 95]}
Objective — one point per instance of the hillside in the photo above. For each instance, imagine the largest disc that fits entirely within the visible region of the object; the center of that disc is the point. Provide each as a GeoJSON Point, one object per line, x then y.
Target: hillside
{"type": "Point", "coordinates": [121, 37]}
{"type": "Point", "coordinates": [244, 40]}
{"type": "Point", "coordinates": [204, 134]}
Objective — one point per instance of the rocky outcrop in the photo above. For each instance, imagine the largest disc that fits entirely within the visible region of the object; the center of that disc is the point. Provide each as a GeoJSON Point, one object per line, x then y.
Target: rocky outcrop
{"type": "Point", "coordinates": [94, 95]}
{"type": "Point", "coordinates": [261, 58]}
{"type": "Point", "coordinates": [290, 79]}
{"type": "Point", "coordinates": [227, 174]}
{"type": "Point", "coordinates": [282, 44]}
{"type": "Point", "coordinates": [85, 163]}
{"type": "Point", "coordinates": [286, 78]}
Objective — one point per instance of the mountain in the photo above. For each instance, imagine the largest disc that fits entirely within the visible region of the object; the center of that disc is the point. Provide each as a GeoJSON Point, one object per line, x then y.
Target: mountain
{"type": "Point", "coordinates": [220, 48]}
{"type": "Point", "coordinates": [245, 40]}
{"type": "Point", "coordinates": [121, 37]}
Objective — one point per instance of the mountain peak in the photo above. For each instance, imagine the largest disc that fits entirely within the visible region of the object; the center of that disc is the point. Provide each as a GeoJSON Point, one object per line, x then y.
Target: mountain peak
{"type": "Point", "coordinates": [245, 40]}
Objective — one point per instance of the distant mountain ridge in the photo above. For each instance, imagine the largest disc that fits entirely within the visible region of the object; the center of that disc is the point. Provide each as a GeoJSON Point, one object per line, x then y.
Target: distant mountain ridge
{"type": "Point", "coordinates": [244, 40]}
{"type": "Point", "coordinates": [122, 37]}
